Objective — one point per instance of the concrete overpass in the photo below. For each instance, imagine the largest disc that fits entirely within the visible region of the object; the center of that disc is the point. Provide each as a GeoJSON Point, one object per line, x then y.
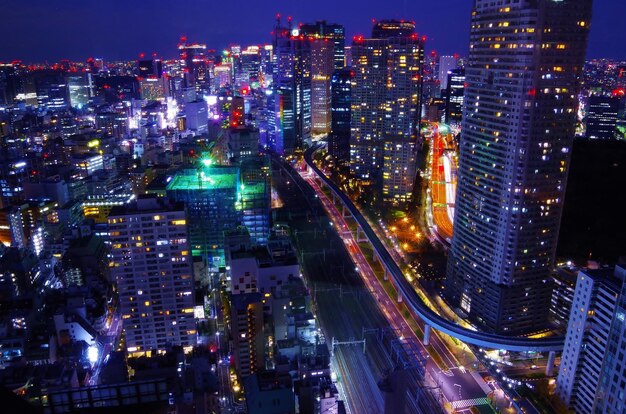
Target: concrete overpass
{"type": "Point", "coordinates": [407, 293]}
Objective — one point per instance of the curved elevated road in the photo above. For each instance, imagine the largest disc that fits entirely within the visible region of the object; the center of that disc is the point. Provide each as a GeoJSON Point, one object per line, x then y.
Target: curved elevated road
{"type": "Point", "coordinates": [486, 340]}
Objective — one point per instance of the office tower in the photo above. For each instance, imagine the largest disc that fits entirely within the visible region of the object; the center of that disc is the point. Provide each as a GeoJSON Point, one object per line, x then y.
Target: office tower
{"type": "Point", "coordinates": [291, 125]}
{"type": "Point", "coordinates": [341, 104]}
{"type": "Point", "coordinates": [256, 194]}
{"type": "Point", "coordinates": [80, 89]}
{"type": "Point", "coordinates": [246, 328]}
{"type": "Point", "coordinates": [283, 123]}
{"type": "Point", "coordinates": [518, 129]}
{"type": "Point", "coordinates": [152, 89]}
{"type": "Point", "coordinates": [196, 65]}
{"type": "Point", "coordinates": [334, 33]}
{"type": "Point", "coordinates": [147, 68]}
{"type": "Point", "coordinates": [10, 84]}
{"type": "Point", "coordinates": [302, 87]}
{"type": "Point", "coordinates": [454, 95]}
{"type": "Point", "coordinates": [385, 108]}
{"type": "Point", "coordinates": [51, 89]}
{"type": "Point", "coordinates": [602, 117]}
{"type": "Point", "coordinates": [113, 123]}
{"type": "Point", "coordinates": [197, 115]}
{"type": "Point", "coordinates": [222, 77]}
{"type": "Point", "coordinates": [151, 265]}
{"type": "Point", "coordinates": [594, 336]}
{"type": "Point", "coordinates": [321, 72]}
{"type": "Point", "coordinates": [446, 64]}
{"type": "Point", "coordinates": [251, 64]}
{"type": "Point", "coordinates": [213, 200]}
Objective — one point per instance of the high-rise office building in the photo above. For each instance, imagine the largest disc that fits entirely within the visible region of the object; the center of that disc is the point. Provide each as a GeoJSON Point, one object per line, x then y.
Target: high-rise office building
{"type": "Point", "coordinates": [334, 33]}
{"type": "Point", "coordinates": [80, 89]}
{"type": "Point", "coordinates": [518, 128]}
{"type": "Point", "coordinates": [446, 64]}
{"type": "Point", "coordinates": [251, 64]}
{"type": "Point", "coordinates": [212, 195]}
{"type": "Point", "coordinates": [302, 88]}
{"type": "Point", "coordinates": [282, 131]}
{"type": "Point", "coordinates": [196, 65]}
{"type": "Point", "coordinates": [341, 102]}
{"type": "Point", "coordinates": [321, 72]}
{"type": "Point", "coordinates": [151, 265]}
{"type": "Point", "coordinates": [454, 95]}
{"type": "Point", "coordinates": [594, 336]}
{"type": "Point", "coordinates": [147, 68]}
{"type": "Point", "coordinates": [602, 117]}
{"type": "Point", "coordinates": [385, 108]}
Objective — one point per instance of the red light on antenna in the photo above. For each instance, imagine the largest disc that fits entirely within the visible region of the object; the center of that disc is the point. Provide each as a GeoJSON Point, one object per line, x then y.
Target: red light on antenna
{"type": "Point", "coordinates": [288, 18]}
{"type": "Point", "coordinates": [456, 56]}
{"type": "Point", "coordinates": [424, 38]}
{"type": "Point", "coordinates": [142, 55]}
{"type": "Point", "coordinates": [358, 39]}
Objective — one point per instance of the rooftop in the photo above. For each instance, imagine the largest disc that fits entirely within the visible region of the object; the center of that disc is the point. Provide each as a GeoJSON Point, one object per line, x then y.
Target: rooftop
{"type": "Point", "coordinates": [214, 178]}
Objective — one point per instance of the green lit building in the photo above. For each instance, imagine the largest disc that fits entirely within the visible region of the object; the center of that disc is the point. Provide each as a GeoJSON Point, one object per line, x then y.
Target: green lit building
{"type": "Point", "coordinates": [213, 198]}
{"type": "Point", "coordinates": [256, 197]}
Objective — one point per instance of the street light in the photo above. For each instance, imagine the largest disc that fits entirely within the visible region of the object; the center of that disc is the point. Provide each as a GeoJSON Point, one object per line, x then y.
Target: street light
{"type": "Point", "coordinates": [93, 354]}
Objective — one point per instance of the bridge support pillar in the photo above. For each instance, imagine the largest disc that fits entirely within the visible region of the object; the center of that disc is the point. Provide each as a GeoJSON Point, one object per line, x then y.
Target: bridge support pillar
{"type": "Point", "coordinates": [385, 273]}
{"type": "Point", "coordinates": [426, 340]}
{"type": "Point", "coordinates": [550, 364]}
{"type": "Point", "coordinates": [343, 211]}
{"type": "Point", "coordinates": [360, 236]}
{"type": "Point", "coordinates": [399, 296]}
{"type": "Point", "coordinates": [334, 198]}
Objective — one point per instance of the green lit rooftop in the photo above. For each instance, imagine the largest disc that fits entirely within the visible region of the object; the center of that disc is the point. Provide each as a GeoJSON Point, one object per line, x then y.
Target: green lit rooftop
{"type": "Point", "coordinates": [205, 179]}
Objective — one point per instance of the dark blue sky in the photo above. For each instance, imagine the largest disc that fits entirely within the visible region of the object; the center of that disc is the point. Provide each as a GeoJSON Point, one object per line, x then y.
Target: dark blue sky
{"type": "Point", "coordinates": [39, 30]}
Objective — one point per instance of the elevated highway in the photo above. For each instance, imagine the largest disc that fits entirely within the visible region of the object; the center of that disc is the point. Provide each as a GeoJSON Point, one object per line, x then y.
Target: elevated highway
{"type": "Point", "coordinates": [407, 293]}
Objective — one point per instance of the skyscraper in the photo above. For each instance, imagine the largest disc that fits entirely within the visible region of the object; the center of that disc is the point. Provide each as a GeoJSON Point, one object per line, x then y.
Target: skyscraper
{"type": "Point", "coordinates": [151, 264]}
{"type": "Point", "coordinates": [341, 99]}
{"type": "Point", "coordinates": [196, 64]}
{"type": "Point", "coordinates": [446, 64]}
{"type": "Point", "coordinates": [385, 101]}
{"type": "Point", "coordinates": [321, 72]}
{"type": "Point", "coordinates": [518, 128]}
{"type": "Point", "coordinates": [334, 33]}
{"type": "Point", "coordinates": [454, 95]}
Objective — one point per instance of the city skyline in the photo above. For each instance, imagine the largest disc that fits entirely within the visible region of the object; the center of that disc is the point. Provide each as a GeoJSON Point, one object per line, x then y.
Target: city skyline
{"type": "Point", "coordinates": [87, 30]}
{"type": "Point", "coordinates": [218, 209]}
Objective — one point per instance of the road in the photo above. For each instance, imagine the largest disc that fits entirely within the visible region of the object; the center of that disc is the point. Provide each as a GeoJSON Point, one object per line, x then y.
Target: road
{"type": "Point", "coordinates": [442, 184]}
{"type": "Point", "coordinates": [461, 388]}
{"type": "Point", "coordinates": [107, 345]}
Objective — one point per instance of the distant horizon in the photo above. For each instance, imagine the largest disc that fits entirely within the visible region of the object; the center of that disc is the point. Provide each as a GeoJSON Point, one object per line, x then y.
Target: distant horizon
{"type": "Point", "coordinates": [40, 31]}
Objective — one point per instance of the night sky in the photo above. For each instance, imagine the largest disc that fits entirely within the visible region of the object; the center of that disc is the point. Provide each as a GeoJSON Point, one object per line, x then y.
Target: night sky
{"type": "Point", "coordinates": [40, 30]}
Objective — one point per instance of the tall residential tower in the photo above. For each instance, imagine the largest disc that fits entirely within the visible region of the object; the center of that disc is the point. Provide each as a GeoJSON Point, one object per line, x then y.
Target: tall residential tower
{"type": "Point", "coordinates": [518, 127]}
{"type": "Point", "coordinates": [385, 108]}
